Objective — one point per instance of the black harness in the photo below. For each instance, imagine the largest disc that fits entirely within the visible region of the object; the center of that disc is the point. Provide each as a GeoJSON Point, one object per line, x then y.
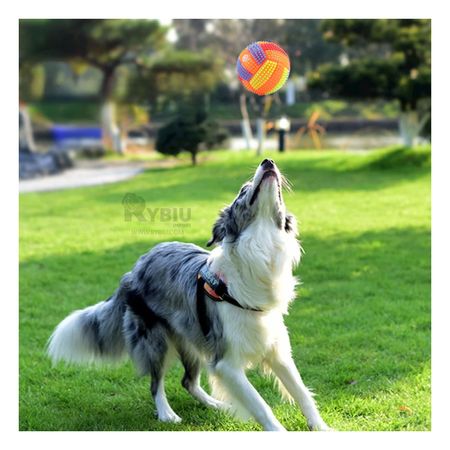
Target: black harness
{"type": "Point", "coordinates": [210, 284]}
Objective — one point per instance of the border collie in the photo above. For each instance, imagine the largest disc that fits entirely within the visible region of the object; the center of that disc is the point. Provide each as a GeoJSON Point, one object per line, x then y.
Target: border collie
{"type": "Point", "coordinates": [222, 310]}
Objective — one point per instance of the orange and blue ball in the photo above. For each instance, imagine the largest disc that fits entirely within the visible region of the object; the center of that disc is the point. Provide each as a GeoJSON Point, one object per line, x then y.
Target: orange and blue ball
{"type": "Point", "coordinates": [263, 67]}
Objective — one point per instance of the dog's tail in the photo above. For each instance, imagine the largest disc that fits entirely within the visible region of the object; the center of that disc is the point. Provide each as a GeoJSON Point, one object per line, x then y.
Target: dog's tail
{"type": "Point", "coordinates": [91, 335]}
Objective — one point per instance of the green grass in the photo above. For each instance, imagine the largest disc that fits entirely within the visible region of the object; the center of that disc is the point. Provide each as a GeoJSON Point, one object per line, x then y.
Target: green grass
{"type": "Point", "coordinates": [360, 328]}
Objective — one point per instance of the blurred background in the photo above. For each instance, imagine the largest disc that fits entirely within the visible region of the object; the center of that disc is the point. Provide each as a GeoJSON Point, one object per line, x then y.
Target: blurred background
{"type": "Point", "coordinates": [104, 100]}
{"type": "Point", "coordinates": [93, 89]}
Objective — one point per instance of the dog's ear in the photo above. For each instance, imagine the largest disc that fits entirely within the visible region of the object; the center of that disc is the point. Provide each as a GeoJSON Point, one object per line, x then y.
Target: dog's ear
{"type": "Point", "coordinates": [219, 230]}
{"type": "Point", "coordinates": [290, 224]}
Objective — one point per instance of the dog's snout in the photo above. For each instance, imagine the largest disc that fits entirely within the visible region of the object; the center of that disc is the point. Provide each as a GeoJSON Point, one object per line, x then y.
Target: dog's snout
{"type": "Point", "coordinates": [268, 164]}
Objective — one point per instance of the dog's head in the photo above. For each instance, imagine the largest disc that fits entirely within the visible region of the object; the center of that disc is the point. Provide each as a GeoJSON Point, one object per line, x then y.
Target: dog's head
{"type": "Point", "coordinates": [259, 199]}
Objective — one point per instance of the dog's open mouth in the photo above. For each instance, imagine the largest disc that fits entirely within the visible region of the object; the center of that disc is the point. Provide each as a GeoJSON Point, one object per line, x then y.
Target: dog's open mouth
{"type": "Point", "coordinates": [267, 174]}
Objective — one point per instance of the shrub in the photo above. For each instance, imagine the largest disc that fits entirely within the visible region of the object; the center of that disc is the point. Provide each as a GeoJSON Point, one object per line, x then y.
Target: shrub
{"type": "Point", "coordinates": [190, 131]}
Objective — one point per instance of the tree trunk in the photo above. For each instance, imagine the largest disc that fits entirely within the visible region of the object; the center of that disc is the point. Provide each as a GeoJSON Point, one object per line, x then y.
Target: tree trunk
{"type": "Point", "coordinates": [107, 86]}
{"type": "Point", "coordinates": [111, 133]}
{"type": "Point", "coordinates": [261, 134]}
{"type": "Point", "coordinates": [26, 139]}
{"type": "Point", "coordinates": [194, 158]}
{"type": "Point", "coordinates": [246, 127]}
{"type": "Point", "coordinates": [264, 107]}
{"type": "Point", "coordinates": [290, 92]}
{"type": "Point", "coordinates": [112, 137]}
{"type": "Point", "coordinates": [410, 126]}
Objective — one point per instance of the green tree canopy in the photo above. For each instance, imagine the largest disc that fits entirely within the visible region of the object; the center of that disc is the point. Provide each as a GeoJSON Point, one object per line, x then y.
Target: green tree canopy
{"type": "Point", "coordinates": [388, 59]}
{"type": "Point", "coordinates": [105, 44]}
{"type": "Point", "coordinates": [393, 61]}
{"type": "Point", "coordinates": [177, 76]}
{"type": "Point", "coordinates": [301, 38]}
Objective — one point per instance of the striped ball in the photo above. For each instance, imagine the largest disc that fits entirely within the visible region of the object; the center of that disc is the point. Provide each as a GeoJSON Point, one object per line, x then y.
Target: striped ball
{"type": "Point", "coordinates": [263, 67]}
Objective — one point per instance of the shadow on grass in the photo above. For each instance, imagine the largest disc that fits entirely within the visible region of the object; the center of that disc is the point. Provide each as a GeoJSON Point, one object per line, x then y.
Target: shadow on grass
{"type": "Point", "coordinates": [361, 324]}
{"type": "Point", "coordinates": [216, 182]}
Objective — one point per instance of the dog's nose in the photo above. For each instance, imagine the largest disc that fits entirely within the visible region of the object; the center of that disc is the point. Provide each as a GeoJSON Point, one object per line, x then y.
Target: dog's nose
{"type": "Point", "coordinates": [268, 164]}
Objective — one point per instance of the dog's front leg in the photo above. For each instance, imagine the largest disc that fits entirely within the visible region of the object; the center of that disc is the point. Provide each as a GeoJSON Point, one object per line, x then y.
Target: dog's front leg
{"type": "Point", "coordinates": [238, 385]}
{"type": "Point", "coordinates": [285, 369]}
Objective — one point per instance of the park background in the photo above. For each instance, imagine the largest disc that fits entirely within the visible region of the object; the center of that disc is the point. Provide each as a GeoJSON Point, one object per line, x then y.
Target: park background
{"type": "Point", "coordinates": [104, 100]}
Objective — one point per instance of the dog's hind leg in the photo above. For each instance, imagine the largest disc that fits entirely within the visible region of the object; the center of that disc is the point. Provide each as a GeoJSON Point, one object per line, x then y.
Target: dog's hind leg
{"type": "Point", "coordinates": [191, 378]}
{"type": "Point", "coordinates": [158, 369]}
{"type": "Point", "coordinates": [152, 352]}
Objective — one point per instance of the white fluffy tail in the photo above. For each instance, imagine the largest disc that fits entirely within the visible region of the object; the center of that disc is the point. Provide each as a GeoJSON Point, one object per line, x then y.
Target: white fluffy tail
{"type": "Point", "coordinates": [90, 335]}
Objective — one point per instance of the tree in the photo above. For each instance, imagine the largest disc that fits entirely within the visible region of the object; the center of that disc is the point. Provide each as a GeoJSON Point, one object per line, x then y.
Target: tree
{"type": "Point", "coordinates": [190, 131]}
{"type": "Point", "coordinates": [175, 76]}
{"type": "Point", "coordinates": [184, 79]}
{"type": "Point", "coordinates": [389, 59]}
{"type": "Point", "coordinates": [31, 87]}
{"type": "Point", "coordinates": [228, 38]}
{"type": "Point", "coordinates": [303, 40]}
{"type": "Point", "coordinates": [105, 44]}
{"type": "Point", "coordinates": [192, 33]}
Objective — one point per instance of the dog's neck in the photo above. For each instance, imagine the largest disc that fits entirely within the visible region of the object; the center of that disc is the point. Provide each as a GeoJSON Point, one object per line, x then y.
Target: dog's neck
{"type": "Point", "coordinates": [258, 266]}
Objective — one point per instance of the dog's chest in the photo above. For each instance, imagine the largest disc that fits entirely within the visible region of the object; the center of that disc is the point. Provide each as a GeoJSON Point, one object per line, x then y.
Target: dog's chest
{"type": "Point", "coordinates": [250, 335]}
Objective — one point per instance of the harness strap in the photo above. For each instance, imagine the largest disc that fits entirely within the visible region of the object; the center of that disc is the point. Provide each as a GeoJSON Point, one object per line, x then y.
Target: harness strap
{"type": "Point", "coordinates": [210, 284]}
{"type": "Point", "coordinates": [203, 319]}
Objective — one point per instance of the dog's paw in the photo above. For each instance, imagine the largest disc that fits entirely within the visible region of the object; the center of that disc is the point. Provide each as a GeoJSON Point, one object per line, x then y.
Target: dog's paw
{"type": "Point", "coordinates": [217, 404]}
{"type": "Point", "coordinates": [321, 426]}
{"type": "Point", "coordinates": [169, 417]}
{"type": "Point", "coordinates": [221, 405]}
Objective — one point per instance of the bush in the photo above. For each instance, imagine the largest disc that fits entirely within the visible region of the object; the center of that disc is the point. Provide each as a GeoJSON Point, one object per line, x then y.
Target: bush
{"type": "Point", "coordinates": [190, 131]}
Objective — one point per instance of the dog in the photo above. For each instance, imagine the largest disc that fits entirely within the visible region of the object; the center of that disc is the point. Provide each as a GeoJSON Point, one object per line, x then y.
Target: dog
{"type": "Point", "coordinates": [222, 310]}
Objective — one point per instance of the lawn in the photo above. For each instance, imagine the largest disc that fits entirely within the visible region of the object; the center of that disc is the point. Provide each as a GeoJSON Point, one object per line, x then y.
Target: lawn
{"type": "Point", "coordinates": [360, 327]}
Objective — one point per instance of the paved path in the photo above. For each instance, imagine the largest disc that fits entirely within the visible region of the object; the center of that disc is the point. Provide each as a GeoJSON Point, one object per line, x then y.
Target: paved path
{"type": "Point", "coordinates": [85, 173]}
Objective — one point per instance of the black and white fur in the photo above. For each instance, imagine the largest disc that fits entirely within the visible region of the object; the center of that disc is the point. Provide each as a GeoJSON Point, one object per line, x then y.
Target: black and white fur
{"type": "Point", "coordinates": [153, 315]}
